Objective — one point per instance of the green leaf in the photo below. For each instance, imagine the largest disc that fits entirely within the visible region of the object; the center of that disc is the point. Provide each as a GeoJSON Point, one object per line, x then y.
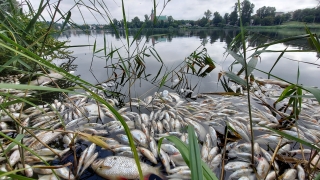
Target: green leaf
{"type": "Point", "coordinates": [314, 91]}
{"type": "Point", "coordinates": [194, 154]}
{"type": "Point", "coordinates": [66, 20]}
{"type": "Point", "coordinates": [236, 57]}
{"type": "Point", "coordinates": [35, 17]}
{"type": "Point", "coordinates": [17, 138]}
{"type": "Point", "coordinates": [235, 78]}
{"type": "Point", "coordinates": [183, 149]}
{"type": "Point", "coordinates": [94, 46]}
{"type": "Point", "coordinates": [252, 64]}
{"type": "Point", "coordinates": [104, 44]}
{"type": "Point", "coordinates": [163, 80]}
{"type": "Point", "coordinates": [15, 176]}
{"type": "Point", "coordinates": [125, 24]}
{"type": "Point", "coordinates": [13, 59]}
{"type": "Point", "coordinates": [314, 41]}
{"type": "Point", "coordinates": [286, 92]}
{"type": "Point", "coordinates": [138, 33]}
{"type": "Point", "coordinates": [31, 87]}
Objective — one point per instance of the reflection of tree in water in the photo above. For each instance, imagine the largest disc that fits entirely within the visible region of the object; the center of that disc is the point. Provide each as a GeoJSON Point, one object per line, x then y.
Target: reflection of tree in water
{"type": "Point", "coordinates": [170, 37]}
{"type": "Point", "coordinates": [215, 35]}
{"type": "Point", "coordinates": [202, 34]}
{"type": "Point", "coordinates": [204, 41]}
{"type": "Point", "coordinates": [257, 37]}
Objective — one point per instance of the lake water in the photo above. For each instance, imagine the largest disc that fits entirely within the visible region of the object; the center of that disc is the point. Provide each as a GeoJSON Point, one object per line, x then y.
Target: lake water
{"type": "Point", "coordinates": [174, 47]}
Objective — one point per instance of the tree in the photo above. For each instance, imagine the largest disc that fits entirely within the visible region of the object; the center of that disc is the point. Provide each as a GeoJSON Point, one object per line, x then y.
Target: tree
{"type": "Point", "coordinates": [266, 11]}
{"type": "Point", "coordinates": [267, 21]}
{"type": "Point", "coordinates": [136, 23]}
{"type": "Point", "coordinates": [256, 20]}
{"type": "Point", "coordinates": [278, 20]}
{"type": "Point", "coordinates": [202, 22]}
{"type": "Point", "coordinates": [146, 18]}
{"type": "Point", "coordinates": [233, 18]}
{"type": "Point", "coordinates": [217, 18]}
{"type": "Point", "coordinates": [286, 16]}
{"type": "Point", "coordinates": [246, 11]}
{"type": "Point", "coordinates": [297, 15]}
{"type": "Point", "coordinates": [226, 18]}
{"type": "Point", "coordinates": [115, 22]}
{"type": "Point", "coordinates": [121, 23]}
{"type": "Point", "coordinates": [170, 19]}
{"type": "Point", "coordinates": [208, 14]}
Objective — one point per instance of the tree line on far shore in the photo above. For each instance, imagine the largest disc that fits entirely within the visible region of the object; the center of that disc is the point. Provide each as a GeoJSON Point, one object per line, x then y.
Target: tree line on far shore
{"type": "Point", "coordinates": [264, 16]}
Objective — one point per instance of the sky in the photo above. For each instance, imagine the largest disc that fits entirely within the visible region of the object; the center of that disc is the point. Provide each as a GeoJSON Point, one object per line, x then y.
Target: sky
{"type": "Point", "coordinates": [178, 9]}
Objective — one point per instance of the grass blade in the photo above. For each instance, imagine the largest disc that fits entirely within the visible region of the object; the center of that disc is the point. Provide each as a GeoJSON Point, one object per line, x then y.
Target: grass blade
{"type": "Point", "coordinates": [287, 136]}
{"type": "Point", "coordinates": [15, 176]}
{"type": "Point", "coordinates": [125, 23]}
{"type": "Point", "coordinates": [276, 62]}
{"type": "Point", "coordinates": [17, 138]}
{"type": "Point", "coordinates": [183, 149]}
{"type": "Point", "coordinates": [66, 21]}
{"type": "Point", "coordinates": [194, 154]}
{"type": "Point", "coordinates": [35, 18]}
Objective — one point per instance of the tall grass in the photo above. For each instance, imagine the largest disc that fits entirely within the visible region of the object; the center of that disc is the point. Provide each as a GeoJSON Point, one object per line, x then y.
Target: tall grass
{"type": "Point", "coordinates": [27, 46]}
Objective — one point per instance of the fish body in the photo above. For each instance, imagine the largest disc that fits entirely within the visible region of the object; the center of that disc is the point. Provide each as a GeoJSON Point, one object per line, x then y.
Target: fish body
{"type": "Point", "coordinates": [117, 167]}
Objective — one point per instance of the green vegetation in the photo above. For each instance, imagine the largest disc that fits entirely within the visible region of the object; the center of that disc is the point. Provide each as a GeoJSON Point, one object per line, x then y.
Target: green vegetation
{"type": "Point", "coordinates": [263, 16]}
{"type": "Point", "coordinates": [27, 46]}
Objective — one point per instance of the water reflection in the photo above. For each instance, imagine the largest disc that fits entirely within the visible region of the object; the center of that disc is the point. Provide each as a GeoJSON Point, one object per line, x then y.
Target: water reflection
{"type": "Point", "coordinates": [258, 37]}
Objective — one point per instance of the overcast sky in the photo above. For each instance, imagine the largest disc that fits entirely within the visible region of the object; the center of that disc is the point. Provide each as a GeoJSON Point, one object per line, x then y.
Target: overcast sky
{"type": "Point", "coordinates": [178, 9]}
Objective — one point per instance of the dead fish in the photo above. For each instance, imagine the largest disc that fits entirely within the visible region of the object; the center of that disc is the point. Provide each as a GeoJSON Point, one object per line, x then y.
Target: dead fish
{"type": "Point", "coordinates": [232, 166]}
{"type": "Point", "coordinates": [28, 170]}
{"type": "Point", "coordinates": [14, 157]}
{"type": "Point", "coordinates": [301, 173]}
{"type": "Point", "coordinates": [262, 168]}
{"type": "Point", "coordinates": [89, 162]}
{"type": "Point", "coordinates": [116, 167]}
{"type": "Point", "coordinates": [290, 174]}
{"type": "Point", "coordinates": [148, 154]}
{"type": "Point", "coordinates": [139, 137]}
{"type": "Point", "coordinates": [48, 177]}
{"type": "Point", "coordinates": [64, 173]}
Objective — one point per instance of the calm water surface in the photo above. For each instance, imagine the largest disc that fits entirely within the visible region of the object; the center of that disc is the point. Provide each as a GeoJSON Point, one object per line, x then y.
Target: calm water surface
{"type": "Point", "coordinates": [174, 46]}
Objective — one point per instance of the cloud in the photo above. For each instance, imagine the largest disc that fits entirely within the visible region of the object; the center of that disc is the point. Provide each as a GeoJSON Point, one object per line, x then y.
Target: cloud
{"type": "Point", "coordinates": [98, 13]}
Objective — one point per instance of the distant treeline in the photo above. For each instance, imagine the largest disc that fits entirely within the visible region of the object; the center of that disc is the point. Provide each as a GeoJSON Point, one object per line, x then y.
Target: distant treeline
{"type": "Point", "coordinates": [264, 16]}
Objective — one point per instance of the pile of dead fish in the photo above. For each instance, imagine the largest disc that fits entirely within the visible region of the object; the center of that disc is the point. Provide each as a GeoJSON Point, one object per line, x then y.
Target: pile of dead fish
{"type": "Point", "coordinates": [162, 114]}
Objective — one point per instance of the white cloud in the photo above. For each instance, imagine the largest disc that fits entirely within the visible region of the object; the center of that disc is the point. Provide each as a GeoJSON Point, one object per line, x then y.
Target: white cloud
{"type": "Point", "coordinates": [187, 9]}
